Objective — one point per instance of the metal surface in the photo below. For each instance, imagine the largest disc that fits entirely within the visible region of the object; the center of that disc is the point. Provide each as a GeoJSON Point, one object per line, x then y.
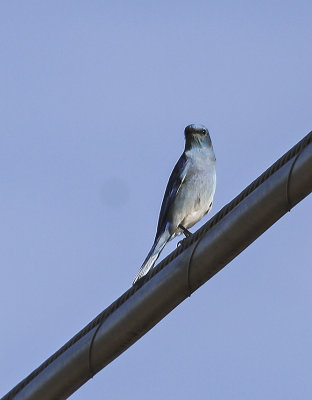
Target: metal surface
{"type": "Point", "coordinates": [172, 284]}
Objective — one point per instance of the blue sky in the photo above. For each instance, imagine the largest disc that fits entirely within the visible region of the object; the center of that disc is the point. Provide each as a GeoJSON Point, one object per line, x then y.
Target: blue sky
{"type": "Point", "coordinates": [94, 99]}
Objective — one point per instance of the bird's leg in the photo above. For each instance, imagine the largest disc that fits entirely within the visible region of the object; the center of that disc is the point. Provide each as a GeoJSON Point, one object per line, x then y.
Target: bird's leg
{"type": "Point", "coordinates": [185, 231]}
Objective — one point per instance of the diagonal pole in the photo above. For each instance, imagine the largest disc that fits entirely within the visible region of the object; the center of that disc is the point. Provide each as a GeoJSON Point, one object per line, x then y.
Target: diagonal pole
{"type": "Point", "coordinates": [206, 252]}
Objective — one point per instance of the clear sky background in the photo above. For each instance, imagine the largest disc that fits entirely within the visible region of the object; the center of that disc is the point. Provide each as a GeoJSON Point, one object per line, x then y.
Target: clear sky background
{"type": "Point", "coordinates": [94, 98]}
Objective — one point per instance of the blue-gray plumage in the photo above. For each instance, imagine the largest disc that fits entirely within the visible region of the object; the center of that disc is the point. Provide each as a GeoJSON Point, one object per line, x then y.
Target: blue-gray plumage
{"type": "Point", "coordinates": [189, 193]}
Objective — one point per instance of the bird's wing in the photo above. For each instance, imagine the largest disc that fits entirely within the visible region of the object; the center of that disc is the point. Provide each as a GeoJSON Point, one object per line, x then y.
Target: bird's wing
{"type": "Point", "coordinates": [176, 179]}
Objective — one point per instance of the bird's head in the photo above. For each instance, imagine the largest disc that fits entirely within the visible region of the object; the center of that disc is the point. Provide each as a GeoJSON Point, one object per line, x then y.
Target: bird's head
{"type": "Point", "coordinates": [196, 135]}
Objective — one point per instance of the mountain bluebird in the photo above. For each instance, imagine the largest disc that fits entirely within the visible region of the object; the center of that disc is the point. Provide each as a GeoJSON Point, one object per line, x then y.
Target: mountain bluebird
{"type": "Point", "coordinates": [189, 193]}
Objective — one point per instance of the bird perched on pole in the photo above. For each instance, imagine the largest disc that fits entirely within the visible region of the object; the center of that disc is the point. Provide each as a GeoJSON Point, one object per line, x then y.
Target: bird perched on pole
{"type": "Point", "coordinates": [189, 193]}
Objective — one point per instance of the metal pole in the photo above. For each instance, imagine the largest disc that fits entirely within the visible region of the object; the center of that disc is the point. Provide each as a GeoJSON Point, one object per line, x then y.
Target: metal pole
{"type": "Point", "coordinates": [139, 309]}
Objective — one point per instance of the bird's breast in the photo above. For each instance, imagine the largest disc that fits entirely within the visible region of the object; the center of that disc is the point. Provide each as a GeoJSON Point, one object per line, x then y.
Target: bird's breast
{"type": "Point", "coordinates": [196, 193]}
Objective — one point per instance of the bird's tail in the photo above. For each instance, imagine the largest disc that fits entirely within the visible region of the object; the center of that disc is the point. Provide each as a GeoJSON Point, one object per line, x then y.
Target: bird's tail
{"type": "Point", "coordinates": [159, 244]}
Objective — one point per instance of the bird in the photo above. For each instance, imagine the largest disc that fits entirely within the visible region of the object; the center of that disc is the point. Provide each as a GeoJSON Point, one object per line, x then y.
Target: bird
{"type": "Point", "coordinates": [189, 193]}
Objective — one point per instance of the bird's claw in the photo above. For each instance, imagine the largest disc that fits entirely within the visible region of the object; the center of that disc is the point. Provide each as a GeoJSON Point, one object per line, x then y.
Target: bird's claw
{"type": "Point", "coordinates": [187, 234]}
{"type": "Point", "coordinates": [180, 242]}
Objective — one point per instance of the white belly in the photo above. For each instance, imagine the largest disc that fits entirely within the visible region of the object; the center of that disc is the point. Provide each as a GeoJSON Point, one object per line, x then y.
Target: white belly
{"type": "Point", "coordinates": [194, 199]}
